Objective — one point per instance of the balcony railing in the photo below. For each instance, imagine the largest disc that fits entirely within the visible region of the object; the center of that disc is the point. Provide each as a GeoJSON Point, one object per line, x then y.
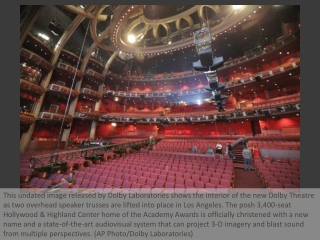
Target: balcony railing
{"type": "Point", "coordinates": [156, 94]}
{"type": "Point", "coordinates": [160, 76]}
{"type": "Point", "coordinates": [69, 69]}
{"type": "Point", "coordinates": [26, 119]}
{"type": "Point", "coordinates": [96, 75]}
{"type": "Point", "coordinates": [31, 87]}
{"type": "Point", "coordinates": [54, 117]}
{"type": "Point", "coordinates": [63, 90]}
{"type": "Point", "coordinates": [91, 94]}
{"type": "Point", "coordinates": [39, 161]}
{"type": "Point", "coordinates": [36, 59]}
{"type": "Point", "coordinates": [87, 115]}
{"type": "Point", "coordinates": [291, 64]}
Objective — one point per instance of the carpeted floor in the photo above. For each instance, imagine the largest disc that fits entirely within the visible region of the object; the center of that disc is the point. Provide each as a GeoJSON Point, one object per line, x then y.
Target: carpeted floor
{"type": "Point", "coordinates": [246, 179]}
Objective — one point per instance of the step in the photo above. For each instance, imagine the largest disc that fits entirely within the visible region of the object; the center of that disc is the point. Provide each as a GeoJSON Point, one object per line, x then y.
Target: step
{"type": "Point", "coordinates": [241, 166]}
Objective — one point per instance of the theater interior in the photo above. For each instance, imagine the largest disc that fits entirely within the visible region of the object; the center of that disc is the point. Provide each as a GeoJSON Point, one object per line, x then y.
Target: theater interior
{"type": "Point", "coordinates": [119, 94]}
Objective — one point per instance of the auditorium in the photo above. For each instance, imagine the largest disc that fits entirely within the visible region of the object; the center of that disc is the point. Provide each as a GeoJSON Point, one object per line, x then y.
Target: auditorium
{"type": "Point", "coordinates": [130, 98]}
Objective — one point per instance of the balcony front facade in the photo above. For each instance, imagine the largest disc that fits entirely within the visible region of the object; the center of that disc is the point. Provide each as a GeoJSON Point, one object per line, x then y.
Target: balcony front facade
{"type": "Point", "coordinates": [71, 70]}
{"type": "Point", "coordinates": [90, 94]}
{"type": "Point", "coordinates": [62, 90]}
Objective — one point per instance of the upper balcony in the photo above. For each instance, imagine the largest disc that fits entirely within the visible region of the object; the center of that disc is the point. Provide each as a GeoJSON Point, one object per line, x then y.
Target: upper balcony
{"type": "Point", "coordinates": [89, 115]}
{"type": "Point", "coordinates": [286, 106]}
{"type": "Point", "coordinates": [30, 74]}
{"type": "Point", "coordinates": [26, 118]}
{"type": "Point", "coordinates": [90, 94]}
{"type": "Point", "coordinates": [96, 63]}
{"type": "Point", "coordinates": [287, 74]}
{"type": "Point", "coordinates": [283, 75]}
{"type": "Point", "coordinates": [157, 94]}
{"type": "Point", "coordinates": [31, 87]}
{"type": "Point", "coordinates": [38, 46]}
{"type": "Point", "coordinates": [286, 43]}
{"type": "Point", "coordinates": [35, 59]}
{"type": "Point", "coordinates": [69, 57]}
{"type": "Point", "coordinates": [65, 91]}
{"type": "Point", "coordinates": [160, 76]}
{"type": "Point", "coordinates": [66, 68]}
{"type": "Point", "coordinates": [94, 75]}
{"type": "Point", "coordinates": [54, 117]}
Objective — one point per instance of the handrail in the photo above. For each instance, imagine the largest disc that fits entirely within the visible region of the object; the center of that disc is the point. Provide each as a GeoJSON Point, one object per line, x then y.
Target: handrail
{"type": "Point", "coordinates": [27, 54]}
{"type": "Point", "coordinates": [95, 74]}
{"type": "Point", "coordinates": [69, 68]}
{"type": "Point", "coordinates": [63, 89]}
{"type": "Point", "coordinates": [90, 92]}
{"type": "Point", "coordinates": [54, 116]}
{"type": "Point", "coordinates": [59, 157]}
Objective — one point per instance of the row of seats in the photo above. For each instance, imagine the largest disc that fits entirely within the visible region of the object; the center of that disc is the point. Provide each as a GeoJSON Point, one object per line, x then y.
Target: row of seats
{"type": "Point", "coordinates": [278, 174]}
{"type": "Point", "coordinates": [159, 173]}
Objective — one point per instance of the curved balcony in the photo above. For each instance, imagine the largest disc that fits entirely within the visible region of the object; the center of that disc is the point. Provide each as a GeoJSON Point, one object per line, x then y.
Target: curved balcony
{"type": "Point", "coordinates": [292, 64]}
{"type": "Point", "coordinates": [91, 116]}
{"type": "Point", "coordinates": [276, 109]}
{"type": "Point", "coordinates": [160, 76]}
{"type": "Point", "coordinates": [70, 54]}
{"type": "Point", "coordinates": [48, 116]}
{"type": "Point", "coordinates": [90, 94]}
{"type": "Point", "coordinates": [38, 45]}
{"type": "Point", "coordinates": [97, 63]}
{"type": "Point", "coordinates": [95, 75]}
{"type": "Point", "coordinates": [291, 42]}
{"type": "Point", "coordinates": [284, 43]}
{"type": "Point", "coordinates": [26, 119]}
{"type": "Point", "coordinates": [156, 94]}
{"type": "Point", "coordinates": [63, 90]}
{"type": "Point", "coordinates": [27, 55]}
{"type": "Point", "coordinates": [273, 74]}
{"type": "Point", "coordinates": [69, 69]}
{"type": "Point", "coordinates": [30, 74]}
{"type": "Point", "coordinates": [277, 101]}
{"type": "Point", "coordinates": [31, 87]}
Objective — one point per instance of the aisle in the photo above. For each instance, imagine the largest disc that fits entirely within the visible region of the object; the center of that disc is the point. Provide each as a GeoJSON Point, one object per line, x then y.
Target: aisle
{"type": "Point", "coordinates": [246, 179]}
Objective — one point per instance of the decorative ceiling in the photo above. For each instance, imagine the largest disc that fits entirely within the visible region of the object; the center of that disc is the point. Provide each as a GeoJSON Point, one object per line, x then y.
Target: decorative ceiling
{"type": "Point", "coordinates": [165, 32]}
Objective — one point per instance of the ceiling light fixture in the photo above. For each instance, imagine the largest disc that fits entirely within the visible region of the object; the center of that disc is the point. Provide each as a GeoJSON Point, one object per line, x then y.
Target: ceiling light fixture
{"type": "Point", "coordinates": [131, 38]}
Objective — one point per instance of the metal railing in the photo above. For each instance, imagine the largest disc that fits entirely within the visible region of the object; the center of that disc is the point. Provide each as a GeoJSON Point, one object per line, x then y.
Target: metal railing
{"type": "Point", "coordinates": [84, 151]}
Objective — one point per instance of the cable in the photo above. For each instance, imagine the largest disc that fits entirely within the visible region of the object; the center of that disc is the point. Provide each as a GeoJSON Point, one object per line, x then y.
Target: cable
{"type": "Point", "coordinates": [215, 123]}
{"type": "Point", "coordinates": [69, 96]}
{"type": "Point", "coordinates": [209, 30]}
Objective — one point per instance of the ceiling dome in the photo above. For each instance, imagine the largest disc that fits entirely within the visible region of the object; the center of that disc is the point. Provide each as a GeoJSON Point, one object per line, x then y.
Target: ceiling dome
{"type": "Point", "coordinates": [158, 12]}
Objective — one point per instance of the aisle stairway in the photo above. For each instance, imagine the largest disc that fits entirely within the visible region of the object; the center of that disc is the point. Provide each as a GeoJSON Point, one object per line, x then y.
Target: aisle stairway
{"type": "Point", "coordinates": [237, 152]}
{"type": "Point", "coordinates": [239, 161]}
{"type": "Point", "coordinates": [245, 179]}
